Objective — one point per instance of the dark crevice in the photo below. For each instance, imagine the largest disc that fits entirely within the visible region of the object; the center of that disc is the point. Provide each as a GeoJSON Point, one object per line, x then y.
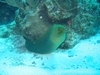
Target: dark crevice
{"type": "Point", "coordinates": [7, 13]}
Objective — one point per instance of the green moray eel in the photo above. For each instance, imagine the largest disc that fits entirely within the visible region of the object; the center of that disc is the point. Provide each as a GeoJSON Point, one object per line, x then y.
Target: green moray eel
{"type": "Point", "coordinates": [49, 42]}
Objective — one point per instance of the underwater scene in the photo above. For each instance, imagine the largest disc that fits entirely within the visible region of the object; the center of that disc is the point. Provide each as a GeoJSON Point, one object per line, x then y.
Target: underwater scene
{"type": "Point", "coordinates": [49, 37]}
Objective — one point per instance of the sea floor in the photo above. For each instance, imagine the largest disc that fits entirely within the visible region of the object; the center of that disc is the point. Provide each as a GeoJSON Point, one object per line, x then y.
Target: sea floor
{"type": "Point", "coordinates": [83, 59]}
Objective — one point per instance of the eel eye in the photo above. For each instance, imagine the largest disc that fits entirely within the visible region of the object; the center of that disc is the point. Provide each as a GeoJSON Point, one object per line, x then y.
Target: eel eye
{"type": "Point", "coordinates": [60, 30]}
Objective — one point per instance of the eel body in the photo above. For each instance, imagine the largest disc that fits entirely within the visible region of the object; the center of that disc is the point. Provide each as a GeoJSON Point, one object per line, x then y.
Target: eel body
{"type": "Point", "coordinates": [49, 42]}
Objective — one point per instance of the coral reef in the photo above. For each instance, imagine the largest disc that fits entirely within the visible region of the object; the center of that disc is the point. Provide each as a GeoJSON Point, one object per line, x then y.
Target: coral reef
{"type": "Point", "coordinates": [61, 9]}
{"type": "Point", "coordinates": [34, 17]}
{"type": "Point", "coordinates": [7, 30]}
{"type": "Point", "coordinates": [33, 24]}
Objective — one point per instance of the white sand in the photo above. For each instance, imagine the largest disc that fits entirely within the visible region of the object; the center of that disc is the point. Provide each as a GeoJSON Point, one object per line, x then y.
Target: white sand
{"type": "Point", "coordinates": [83, 59]}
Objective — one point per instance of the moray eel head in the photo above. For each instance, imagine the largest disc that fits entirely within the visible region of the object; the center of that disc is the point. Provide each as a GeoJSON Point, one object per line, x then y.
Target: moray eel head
{"type": "Point", "coordinates": [58, 34]}
{"type": "Point", "coordinates": [49, 42]}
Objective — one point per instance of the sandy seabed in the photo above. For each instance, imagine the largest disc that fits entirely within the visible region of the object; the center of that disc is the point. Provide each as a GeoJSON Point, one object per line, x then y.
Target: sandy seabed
{"type": "Point", "coordinates": [83, 59]}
